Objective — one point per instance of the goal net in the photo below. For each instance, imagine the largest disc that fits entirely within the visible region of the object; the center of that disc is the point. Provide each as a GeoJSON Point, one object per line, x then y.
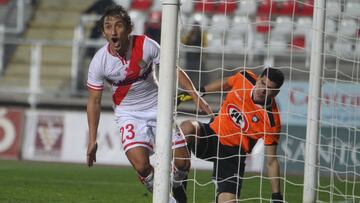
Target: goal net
{"type": "Point", "coordinates": [218, 38]}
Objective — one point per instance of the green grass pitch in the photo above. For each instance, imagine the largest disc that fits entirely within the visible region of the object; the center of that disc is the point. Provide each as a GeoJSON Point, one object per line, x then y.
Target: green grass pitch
{"type": "Point", "coordinates": [38, 182]}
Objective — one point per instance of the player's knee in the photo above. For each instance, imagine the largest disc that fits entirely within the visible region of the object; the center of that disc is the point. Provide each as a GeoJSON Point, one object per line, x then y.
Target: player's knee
{"type": "Point", "coordinates": [183, 164]}
{"type": "Point", "coordinates": [189, 129]}
{"type": "Point", "coordinates": [143, 169]}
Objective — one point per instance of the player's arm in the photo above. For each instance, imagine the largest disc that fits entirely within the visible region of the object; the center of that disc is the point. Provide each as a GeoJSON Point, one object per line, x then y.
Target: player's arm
{"type": "Point", "coordinates": [188, 86]}
{"type": "Point", "coordinates": [218, 85]}
{"type": "Point", "coordinates": [273, 169]}
{"type": "Point", "coordinates": [93, 116]}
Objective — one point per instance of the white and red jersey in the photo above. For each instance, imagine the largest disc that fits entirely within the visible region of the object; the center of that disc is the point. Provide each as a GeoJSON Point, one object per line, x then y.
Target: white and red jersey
{"type": "Point", "coordinates": [132, 79]}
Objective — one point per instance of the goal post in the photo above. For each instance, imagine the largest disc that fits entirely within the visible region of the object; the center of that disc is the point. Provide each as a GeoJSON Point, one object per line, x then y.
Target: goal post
{"type": "Point", "coordinates": [165, 100]}
{"type": "Point", "coordinates": [316, 43]}
{"type": "Point", "coordinates": [313, 111]}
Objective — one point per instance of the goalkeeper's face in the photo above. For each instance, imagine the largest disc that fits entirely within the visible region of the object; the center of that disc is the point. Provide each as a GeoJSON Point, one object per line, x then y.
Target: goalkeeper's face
{"type": "Point", "coordinates": [264, 89]}
{"type": "Point", "coordinates": [116, 33]}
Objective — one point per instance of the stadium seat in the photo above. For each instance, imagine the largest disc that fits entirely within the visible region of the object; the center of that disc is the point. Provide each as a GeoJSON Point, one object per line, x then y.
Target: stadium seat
{"type": "Point", "coordinates": [219, 24]}
{"type": "Point", "coordinates": [283, 26]}
{"type": "Point", "coordinates": [348, 28]}
{"type": "Point", "coordinates": [278, 45]}
{"type": "Point", "coordinates": [246, 8]}
{"type": "Point", "coordinates": [215, 42]}
{"type": "Point", "coordinates": [143, 5]}
{"type": "Point", "coordinates": [227, 6]}
{"type": "Point", "coordinates": [333, 8]}
{"type": "Point", "coordinates": [303, 26]}
{"type": "Point", "coordinates": [186, 7]}
{"type": "Point", "coordinates": [259, 43]}
{"type": "Point", "coordinates": [266, 6]}
{"type": "Point", "coordinates": [307, 8]}
{"type": "Point", "coordinates": [124, 3]}
{"type": "Point", "coordinates": [140, 18]}
{"type": "Point", "coordinates": [298, 42]}
{"type": "Point", "coordinates": [343, 48]}
{"type": "Point", "coordinates": [240, 35]}
{"type": "Point", "coordinates": [263, 24]}
{"type": "Point", "coordinates": [201, 18]}
{"type": "Point", "coordinates": [206, 6]}
{"type": "Point", "coordinates": [236, 43]}
{"type": "Point", "coordinates": [330, 27]}
{"type": "Point", "coordinates": [241, 24]}
{"type": "Point", "coordinates": [286, 7]}
{"type": "Point", "coordinates": [352, 9]}
{"type": "Point", "coordinates": [156, 5]}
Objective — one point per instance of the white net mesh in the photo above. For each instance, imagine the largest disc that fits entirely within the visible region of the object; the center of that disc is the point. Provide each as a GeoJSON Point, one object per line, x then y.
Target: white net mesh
{"type": "Point", "coordinates": [218, 38]}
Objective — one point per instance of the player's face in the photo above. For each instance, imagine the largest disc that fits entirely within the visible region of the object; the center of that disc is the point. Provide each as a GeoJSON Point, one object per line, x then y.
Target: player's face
{"type": "Point", "coordinates": [264, 89]}
{"type": "Point", "coordinates": [116, 33]}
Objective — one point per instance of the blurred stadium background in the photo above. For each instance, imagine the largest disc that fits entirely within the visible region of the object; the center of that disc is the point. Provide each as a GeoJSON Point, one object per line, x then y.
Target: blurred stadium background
{"type": "Point", "coordinates": [43, 67]}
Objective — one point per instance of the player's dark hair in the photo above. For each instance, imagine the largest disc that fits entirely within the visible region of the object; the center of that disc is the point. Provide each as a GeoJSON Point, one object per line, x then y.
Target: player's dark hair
{"type": "Point", "coordinates": [275, 75]}
{"type": "Point", "coordinates": [118, 12]}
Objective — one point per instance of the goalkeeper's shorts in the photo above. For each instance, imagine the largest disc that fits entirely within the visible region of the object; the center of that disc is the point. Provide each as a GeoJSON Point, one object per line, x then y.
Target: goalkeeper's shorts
{"type": "Point", "coordinates": [229, 162]}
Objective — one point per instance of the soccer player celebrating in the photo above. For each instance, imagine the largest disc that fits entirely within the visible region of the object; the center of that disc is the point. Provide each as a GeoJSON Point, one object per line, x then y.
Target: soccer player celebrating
{"type": "Point", "coordinates": [248, 113]}
{"type": "Point", "coordinates": [127, 63]}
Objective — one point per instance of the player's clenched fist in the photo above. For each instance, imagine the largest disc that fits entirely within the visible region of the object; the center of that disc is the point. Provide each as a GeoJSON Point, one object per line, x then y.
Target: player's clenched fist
{"type": "Point", "coordinates": [91, 153]}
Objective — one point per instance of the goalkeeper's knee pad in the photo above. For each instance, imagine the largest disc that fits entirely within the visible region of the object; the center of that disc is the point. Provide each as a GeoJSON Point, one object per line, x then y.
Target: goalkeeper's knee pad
{"type": "Point", "coordinates": [148, 181]}
{"type": "Point", "coordinates": [178, 176]}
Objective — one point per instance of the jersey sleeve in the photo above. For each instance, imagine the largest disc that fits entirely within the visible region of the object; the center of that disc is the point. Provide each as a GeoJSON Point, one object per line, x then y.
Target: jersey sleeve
{"type": "Point", "coordinates": [271, 138]}
{"type": "Point", "coordinates": [95, 79]}
{"type": "Point", "coordinates": [154, 50]}
{"type": "Point", "coordinates": [233, 78]}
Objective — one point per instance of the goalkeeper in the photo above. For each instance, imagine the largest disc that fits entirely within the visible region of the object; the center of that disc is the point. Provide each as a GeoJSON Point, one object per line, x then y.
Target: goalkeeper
{"type": "Point", "coordinates": [248, 113]}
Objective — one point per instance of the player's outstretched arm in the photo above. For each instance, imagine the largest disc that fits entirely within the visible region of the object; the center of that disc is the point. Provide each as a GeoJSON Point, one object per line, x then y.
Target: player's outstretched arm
{"type": "Point", "coordinates": [186, 84]}
{"type": "Point", "coordinates": [273, 169]}
{"type": "Point", "coordinates": [93, 116]}
{"type": "Point", "coordinates": [217, 85]}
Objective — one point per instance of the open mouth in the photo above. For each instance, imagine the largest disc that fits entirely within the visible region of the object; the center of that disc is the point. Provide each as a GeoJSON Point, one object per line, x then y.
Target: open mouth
{"type": "Point", "coordinates": [115, 41]}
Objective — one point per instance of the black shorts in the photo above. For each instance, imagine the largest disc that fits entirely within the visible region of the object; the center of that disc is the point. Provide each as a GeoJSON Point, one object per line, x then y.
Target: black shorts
{"type": "Point", "coordinates": [229, 162]}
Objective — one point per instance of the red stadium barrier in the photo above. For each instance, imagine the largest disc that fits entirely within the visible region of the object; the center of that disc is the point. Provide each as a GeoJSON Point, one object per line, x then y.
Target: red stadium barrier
{"type": "Point", "coordinates": [11, 125]}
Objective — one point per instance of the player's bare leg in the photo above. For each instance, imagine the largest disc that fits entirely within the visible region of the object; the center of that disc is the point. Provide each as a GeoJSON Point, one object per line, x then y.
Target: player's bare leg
{"type": "Point", "coordinates": [139, 159]}
{"type": "Point", "coordinates": [180, 174]}
{"type": "Point", "coordinates": [190, 129]}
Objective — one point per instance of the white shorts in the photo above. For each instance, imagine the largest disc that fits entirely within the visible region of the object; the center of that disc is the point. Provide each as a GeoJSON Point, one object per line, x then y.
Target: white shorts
{"type": "Point", "coordinates": [139, 129]}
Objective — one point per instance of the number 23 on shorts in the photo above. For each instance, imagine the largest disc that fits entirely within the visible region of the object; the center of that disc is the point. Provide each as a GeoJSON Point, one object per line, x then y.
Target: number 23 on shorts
{"type": "Point", "coordinates": [127, 132]}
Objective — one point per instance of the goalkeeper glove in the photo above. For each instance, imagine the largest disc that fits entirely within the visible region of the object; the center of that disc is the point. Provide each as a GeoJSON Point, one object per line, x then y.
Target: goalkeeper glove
{"type": "Point", "coordinates": [276, 197]}
{"type": "Point", "coordinates": [184, 96]}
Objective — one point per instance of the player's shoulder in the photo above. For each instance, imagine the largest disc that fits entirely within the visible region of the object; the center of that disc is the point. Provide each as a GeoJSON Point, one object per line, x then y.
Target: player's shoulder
{"type": "Point", "coordinates": [101, 52]}
{"type": "Point", "coordinates": [145, 42]}
{"type": "Point", "coordinates": [245, 74]}
{"type": "Point", "coordinates": [151, 42]}
{"type": "Point", "coordinates": [99, 57]}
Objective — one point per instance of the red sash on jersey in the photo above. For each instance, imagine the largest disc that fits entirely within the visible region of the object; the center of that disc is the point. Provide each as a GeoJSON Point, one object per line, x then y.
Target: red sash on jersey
{"type": "Point", "coordinates": [133, 70]}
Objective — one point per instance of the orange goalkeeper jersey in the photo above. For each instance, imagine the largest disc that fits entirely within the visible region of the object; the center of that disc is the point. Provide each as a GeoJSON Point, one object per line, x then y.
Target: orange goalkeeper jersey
{"type": "Point", "coordinates": [241, 121]}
